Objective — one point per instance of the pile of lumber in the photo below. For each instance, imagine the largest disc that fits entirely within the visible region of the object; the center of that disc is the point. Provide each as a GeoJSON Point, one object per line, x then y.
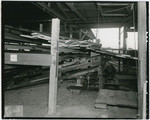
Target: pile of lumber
{"type": "Point", "coordinates": [79, 67]}
{"type": "Point", "coordinates": [41, 42]}
{"type": "Point", "coordinates": [76, 57]}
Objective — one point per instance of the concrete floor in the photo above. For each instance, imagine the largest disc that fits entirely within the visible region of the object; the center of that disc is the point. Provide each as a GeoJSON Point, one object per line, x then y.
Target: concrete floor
{"type": "Point", "coordinates": [33, 102]}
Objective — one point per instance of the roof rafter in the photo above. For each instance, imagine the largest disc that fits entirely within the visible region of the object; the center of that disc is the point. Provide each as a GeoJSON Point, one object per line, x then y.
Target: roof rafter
{"type": "Point", "coordinates": [71, 6]}
{"type": "Point", "coordinates": [61, 8]}
{"type": "Point", "coordinates": [113, 4]}
{"type": "Point", "coordinates": [114, 15]}
{"type": "Point", "coordinates": [49, 10]}
{"type": "Point", "coordinates": [100, 10]}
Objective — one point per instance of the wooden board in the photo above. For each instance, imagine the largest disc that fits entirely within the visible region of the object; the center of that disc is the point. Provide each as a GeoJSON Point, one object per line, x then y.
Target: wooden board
{"type": "Point", "coordinates": [104, 106]}
{"type": "Point", "coordinates": [53, 80]}
{"type": "Point", "coordinates": [28, 59]}
{"type": "Point", "coordinates": [120, 112]}
{"type": "Point", "coordinates": [117, 98]}
{"type": "Point", "coordinates": [79, 73]}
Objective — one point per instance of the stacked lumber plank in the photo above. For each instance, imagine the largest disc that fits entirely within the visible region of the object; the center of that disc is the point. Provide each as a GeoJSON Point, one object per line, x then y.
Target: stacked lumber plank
{"type": "Point", "coordinates": [80, 67]}
{"type": "Point", "coordinates": [76, 58]}
{"type": "Point", "coordinates": [34, 40]}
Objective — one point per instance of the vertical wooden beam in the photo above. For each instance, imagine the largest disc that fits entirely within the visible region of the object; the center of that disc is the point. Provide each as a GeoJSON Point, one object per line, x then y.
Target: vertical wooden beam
{"type": "Point", "coordinates": [119, 39]}
{"type": "Point", "coordinates": [71, 34]}
{"type": "Point", "coordinates": [119, 48]}
{"type": "Point", "coordinates": [41, 27]}
{"type": "Point", "coordinates": [100, 77]}
{"type": "Point", "coordinates": [80, 34]}
{"type": "Point", "coordinates": [142, 59]}
{"type": "Point", "coordinates": [54, 67]}
{"type": "Point", "coordinates": [125, 41]}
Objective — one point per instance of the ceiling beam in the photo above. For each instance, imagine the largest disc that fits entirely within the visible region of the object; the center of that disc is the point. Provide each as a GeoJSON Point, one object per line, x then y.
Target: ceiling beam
{"type": "Point", "coordinates": [100, 10]}
{"type": "Point", "coordinates": [112, 4]}
{"type": "Point", "coordinates": [62, 9]}
{"type": "Point", "coordinates": [71, 6]}
{"type": "Point", "coordinates": [101, 25]}
{"type": "Point", "coordinates": [114, 10]}
{"type": "Point", "coordinates": [95, 22]}
{"type": "Point", "coordinates": [49, 10]}
{"type": "Point", "coordinates": [114, 15]}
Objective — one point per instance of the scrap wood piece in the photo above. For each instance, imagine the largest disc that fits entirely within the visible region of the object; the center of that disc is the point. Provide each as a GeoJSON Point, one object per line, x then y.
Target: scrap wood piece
{"type": "Point", "coordinates": [10, 37]}
{"type": "Point", "coordinates": [69, 64]}
{"type": "Point", "coordinates": [84, 63]}
{"type": "Point", "coordinates": [66, 57]}
{"type": "Point", "coordinates": [100, 105]}
{"type": "Point", "coordinates": [79, 73]}
{"type": "Point", "coordinates": [62, 49]}
{"type": "Point", "coordinates": [29, 47]}
{"type": "Point", "coordinates": [120, 112]}
{"type": "Point", "coordinates": [126, 99]}
{"type": "Point", "coordinates": [82, 60]}
{"type": "Point", "coordinates": [79, 66]}
{"type": "Point", "coordinates": [126, 77]}
{"type": "Point", "coordinates": [117, 98]}
{"type": "Point", "coordinates": [17, 38]}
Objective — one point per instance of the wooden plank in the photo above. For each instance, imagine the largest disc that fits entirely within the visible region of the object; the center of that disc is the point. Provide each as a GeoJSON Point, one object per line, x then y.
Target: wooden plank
{"type": "Point", "coordinates": [54, 67]}
{"type": "Point", "coordinates": [33, 31]}
{"type": "Point", "coordinates": [99, 105]}
{"type": "Point", "coordinates": [29, 47]}
{"type": "Point", "coordinates": [10, 37]}
{"type": "Point", "coordinates": [142, 71]}
{"type": "Point", "coordinates": [121, 112]}
{"type": "Point", "coordinates": [28, 59]}
{"type": "Point", "coordinates": [93, 61]}
{"type": "Point", "coordinates": [79, 66]}
{"type": "Point", "coordinates": [79, 73]}
{"type": "Point", "coordinates": [126, 77]}
{"type": "Point", "coordinates": [117, 98]}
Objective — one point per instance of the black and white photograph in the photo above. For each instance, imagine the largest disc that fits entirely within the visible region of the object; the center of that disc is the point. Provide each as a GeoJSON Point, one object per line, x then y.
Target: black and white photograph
{"type": "Point", "coordinates": [75, 59]}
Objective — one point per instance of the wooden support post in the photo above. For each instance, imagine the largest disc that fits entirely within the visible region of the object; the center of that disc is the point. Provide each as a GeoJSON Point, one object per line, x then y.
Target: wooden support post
{"type": "Point", "coordinates": [80, 34]}
{"type": "Point", "coordinates": [125, 41]}
{"type": "Point", "coordinates": [119, 49]}
{"type": "Point", "coordinates": [100, 77]}
{"type": "Point", "coordinates": [142, 59]}
{"type": "Point", "coordinates": [41, 28]}
{"type": "Point", "coordinates": [71, 33]}
{"type": "Point", "coordinates": [54, 67]}
{"type": "Point", "coordinates": [119, 39]}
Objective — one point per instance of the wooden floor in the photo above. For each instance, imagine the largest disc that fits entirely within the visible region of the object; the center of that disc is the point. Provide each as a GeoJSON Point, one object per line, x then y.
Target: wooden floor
{"type": "Point", "coordinates": [33, 102]}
